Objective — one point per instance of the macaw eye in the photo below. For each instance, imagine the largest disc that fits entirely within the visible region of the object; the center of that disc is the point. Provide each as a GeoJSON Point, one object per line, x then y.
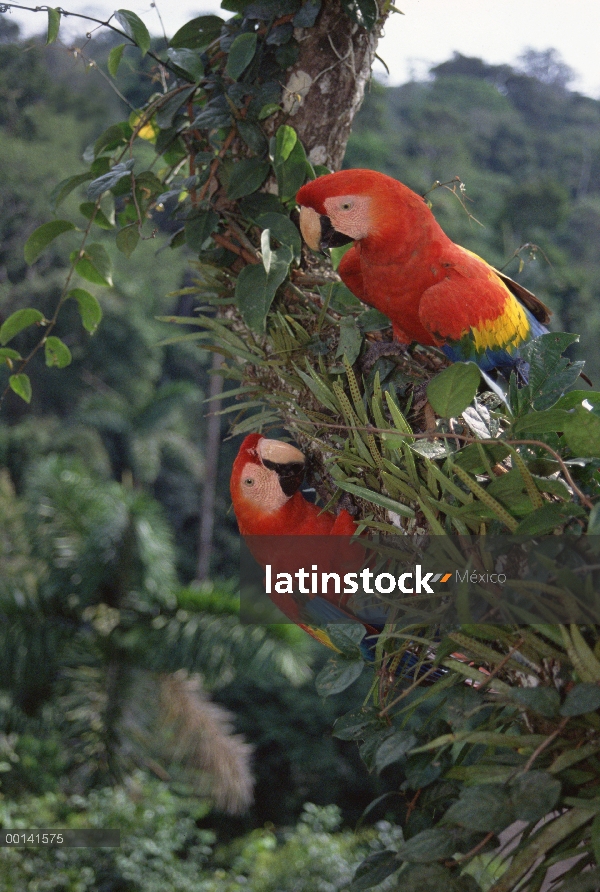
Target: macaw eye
{"type": "Point", "coordinates": [346, 205]}
{"type": "Point", "coordinates": [249, 481]}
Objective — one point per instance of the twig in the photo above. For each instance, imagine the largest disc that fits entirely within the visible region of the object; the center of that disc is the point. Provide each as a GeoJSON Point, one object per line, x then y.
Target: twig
{"type": "Point", "coordinates": [545, 743]}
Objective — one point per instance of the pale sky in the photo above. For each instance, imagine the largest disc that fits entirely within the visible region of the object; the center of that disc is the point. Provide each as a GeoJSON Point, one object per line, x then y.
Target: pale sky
{"type": "Point", "coordinates": [429, 32]}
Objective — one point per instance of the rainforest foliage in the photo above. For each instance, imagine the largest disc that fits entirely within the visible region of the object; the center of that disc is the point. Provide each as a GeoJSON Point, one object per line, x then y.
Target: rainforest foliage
{"type": "Point", "coordinates": [102, 470]}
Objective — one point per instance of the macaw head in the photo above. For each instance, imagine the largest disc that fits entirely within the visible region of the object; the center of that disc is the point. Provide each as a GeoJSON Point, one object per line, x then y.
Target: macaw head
{"type": "Point", "coordinates": [265, 475]}
{"type": "Point", "coordinates": [347, 206]}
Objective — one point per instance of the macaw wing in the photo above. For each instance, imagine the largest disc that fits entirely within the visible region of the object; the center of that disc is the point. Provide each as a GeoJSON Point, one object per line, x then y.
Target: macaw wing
{"type": "Point", "coordinates": [479, 320]}
{"type": "Point", "coordinates": [536, 307]}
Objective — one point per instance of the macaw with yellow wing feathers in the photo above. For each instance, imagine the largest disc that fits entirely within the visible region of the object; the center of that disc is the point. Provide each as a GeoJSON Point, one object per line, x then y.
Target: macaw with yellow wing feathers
{"type": "Point", "coordinates": [403, 264]}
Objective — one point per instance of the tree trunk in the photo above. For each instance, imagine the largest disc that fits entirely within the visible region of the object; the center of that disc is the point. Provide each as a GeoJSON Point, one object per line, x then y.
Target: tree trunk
{"type": "Point", "coordinates": [325, 88]}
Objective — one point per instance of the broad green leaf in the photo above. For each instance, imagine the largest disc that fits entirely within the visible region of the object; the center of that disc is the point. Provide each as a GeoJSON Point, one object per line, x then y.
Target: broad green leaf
{"type": "Point", "coordinates": [170, 106]}
{"type": "Point", "coordinates": [89, 308]}
{"type": "Point", "coordinates": [199, 228]}
{"type": "Point", "coordinates": [114, 136]}
{"type": "Point", "coordinates": [188, 61]}
{"type": "Point", "coordinates": [21, 385]}
{"type": "Point", "coordinates": [534, 794]}
{"type": "Point", "coordinates": [57, 352]}
{"type": "Point", "coordinates": [337, 675]}
{"type": "Point", "coordinates": [100, 219]}
{"type": "Point", "coordinates": [114, 59]}
{"type": "Point", "coordinates": [483, 808]}
{"type": "Point", "coordinates": [127, 239]}
{"type": "Point", "coordinates": [17, 321]}
{"type": "Point", "coordinates": [102, 184]}
{"type": "Point", "coordinates": [582, 433]}
{"type": "Point", "coordinates": [374, 870]}
{"type": "Point", "coordinates": [581, 699]}
{"type": "Point", "coordinates": [255, 289]}
{"type": "Point", "coordinates": [7, 355]}
{"type": "Point", "coordinates": [247, 176]}
{"type": "Point", "coordinates": [65, 187]}
{"type": "Point", "coordinates": [53, 24]}
{"type": "Point", "coordinates": [271, 108]}
{"type": "Point", "coordinates": [355, 724]}
{"type": "Point", "coordinates": [347, 637]}
{"type": "Point", "coordinates": [427, 846]}
{"type": "Point", "coordinates": [393, 748]}
{"type": "Point", "coordinates": [576, 397]}
{"type": "Point", "coordinates": [94, 265]}
{"type": "Point", "coordinates": [241, 53]}
{"type": "Point", "coordinates": [543, 700]}
{"type": "Point", "coordinates": [454, 389]}
{"type": "Point", "coordinates": [350, 339]}
{"type": "Point", "coordinates": [198, 32]}
{"type": "Point", "coordinates": [133, 27]}
{"type": "Point", "coordinates": [373, 320]}
{"type": "Point", "coordinates": [546, 519]}
{"type": "Point", "coordinates": [285, 141]}
{"type": "Point", "coordinates": [341, 298]}
{"type": "Point", "coordinates": [550, 373]}
{"type": "Point", "coordinates": [253, 136]}
{"type": "Point", "coordinates": [41, 237]}
{"type": "Point", "coordinates": [541, 422]}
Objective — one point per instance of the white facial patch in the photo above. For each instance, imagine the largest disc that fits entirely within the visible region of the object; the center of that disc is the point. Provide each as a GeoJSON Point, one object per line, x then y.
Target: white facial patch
{"type": "Point", "coordinates": [350, 214]}
{"type": "Point", "coordinates": [261, 487]}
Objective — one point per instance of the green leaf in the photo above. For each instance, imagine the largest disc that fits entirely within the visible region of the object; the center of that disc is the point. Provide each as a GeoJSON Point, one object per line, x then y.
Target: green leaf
{"type": "Point", "coordinates": [534, 794]}
{"type": "Point", "coordinates": [170, 106]}
{"type": "Point", "coordinates": [89, 308]}
{"type": "Point", "coordinates": [198, 32]}
{"type": "Point", "coordinates": [53, 24]}
{"type": "Point", "coordinates": [483, 807]}
{"type": "Point", "coordinates": [188, 61]}
{"type": "Point", "coordinates": [582, 432]}
{"type": "Point", "coordinates": [17, 321]}
{"type": "Point", "coordinates": [133, 27]}
{"type": "Point", "coordinates": [546, 519]}
{"type": "Point", "coordinates": [350, 339]}
{"type": "Point", "coordinates": [347, 637]}
{"type": "Point", "coordinates": [337, 675]}
{"type": "Point", "coordinates": [427, 846]}
{"type": "Point", "coordinates": [454, 389]}
{"type": "Point", "coordinates": [57, 352]}
{"type": "Point", "coordinates": [127, 239]}
{"type": "Point", "coordinates": [581, 699]}
{"type": "Point", "coordinates": [393, 748]}
{"type": "Point", "coordinates": [21, 385]}
{"type": "Point", "coordinates": [596, 838]}
{"type": "Point", "coordinates": [7, 355]}
{"type": "Point", "coordinates": [41, 237]}
{"type": "Point", "coordinates": [241, 53]}
{"type": "Point", "coordinates": [374, 870]}
{"type": "Point", "coordinates": [100, 219]}
{"type": "Point", "coordinates": [543, 700]}
{"type": "Point", "coordinates": [376, 498]}
{"type": "Point", "coordinates": [114, 136]}
{"type": "Point", "coordinates": [247, 176]}
{"type": "Point", "coordinates": [65, 187]}
{"type": "Point", "coordinates": [255, 289]}
{"type": "Point", "coordinates": [114, 59]}
{"type": "Point", "coordinates": [285, 141]}
{"type": "Point", "coordinates": [94, 265]}
{"type": "Point", "coordinates": [353, 725]}
{"type": "Point", "coordinates": [102, 184]}
{"type": "Point", "coordinates": [541, 422]}
{"type": "Point", "coordinates": [550, 373]}
{"type": "Point", "coordinates": [199, 228]}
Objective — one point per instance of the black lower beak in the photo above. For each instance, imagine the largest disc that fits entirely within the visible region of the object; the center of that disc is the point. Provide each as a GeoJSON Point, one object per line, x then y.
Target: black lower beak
{"type": "Point", "coordinates": [290, 475]}
{"type": "Point", "coordinates": [330, 237]}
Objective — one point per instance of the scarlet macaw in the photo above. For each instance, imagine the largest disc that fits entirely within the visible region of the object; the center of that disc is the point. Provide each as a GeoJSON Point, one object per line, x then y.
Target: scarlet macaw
{"type": "Point", "coordinates": [432, 290]}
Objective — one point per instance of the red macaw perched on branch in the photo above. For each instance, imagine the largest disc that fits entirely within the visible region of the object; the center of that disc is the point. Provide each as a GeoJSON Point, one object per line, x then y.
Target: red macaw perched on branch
{"type": "Point", "coordinates": [283, 529]}
{"type": "Point", "coordinates": [432, 290]}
